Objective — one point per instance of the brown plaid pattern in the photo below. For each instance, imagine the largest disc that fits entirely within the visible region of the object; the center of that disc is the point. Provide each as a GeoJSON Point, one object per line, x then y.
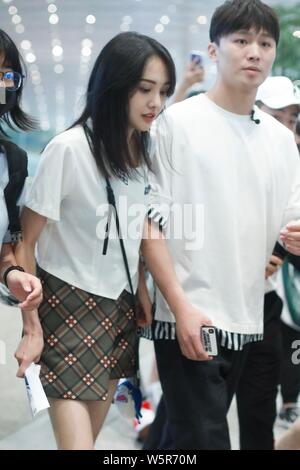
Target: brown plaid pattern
{"type": "Point", "coordinates": [89, 340]}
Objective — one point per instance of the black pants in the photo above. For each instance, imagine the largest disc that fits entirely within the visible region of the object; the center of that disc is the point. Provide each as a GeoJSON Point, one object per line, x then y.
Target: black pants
{"type": "Point", "coordinates": [257, 389]}
{"type": "Point", "coordinates": [290, 373]}
{"type": "Point", "coordinates": [197, 396]}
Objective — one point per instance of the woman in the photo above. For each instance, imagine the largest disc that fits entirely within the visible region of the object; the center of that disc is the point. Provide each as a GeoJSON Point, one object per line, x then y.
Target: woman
{"type": "Point", "coordinates": [87, 315]}
{"type": "Point", "coordinates": [13, 171]}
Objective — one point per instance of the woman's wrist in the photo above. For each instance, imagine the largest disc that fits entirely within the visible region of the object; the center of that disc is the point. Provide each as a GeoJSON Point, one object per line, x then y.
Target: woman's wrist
{"type": "Point", "coordinates": [31, 323]}
{"type": "Point", "coordinates": [7, 273]}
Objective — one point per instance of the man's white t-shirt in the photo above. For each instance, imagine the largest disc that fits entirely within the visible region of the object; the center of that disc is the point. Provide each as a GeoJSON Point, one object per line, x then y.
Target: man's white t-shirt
{"type": "Point", "coordinates": [241, 180]}
{"type": "Point", "coordinates": [69, 191]}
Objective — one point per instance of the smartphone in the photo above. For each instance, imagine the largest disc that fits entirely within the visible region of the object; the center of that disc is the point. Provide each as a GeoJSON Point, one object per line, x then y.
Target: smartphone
{"type": "Point", "coordinates": [209, 340]}
{"type": "Point", "coordinates": [196, 56]}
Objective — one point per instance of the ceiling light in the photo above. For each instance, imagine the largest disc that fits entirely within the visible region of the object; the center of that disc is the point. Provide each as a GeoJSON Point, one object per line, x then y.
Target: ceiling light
{"type": "Point", "coordinates": [26, 45]}
{"type": "Point", "coordinates": [12, 10]}
{"type": "Point", "coordinates": [125, 27]}
{"type": "Point", "coordinates": [16, 19]}
{"type": "Point", "coordinates": [57, 51]}
{"type": "Point", "coordinates": [30, 57]}
{"type": "Point", "coordinates": [20, 28]}
{"type": "Point", "coordinates": [53, 19]}
{"type": "Point", "coordinates": [87, 42]}
{"type": "Point", "coordinates": [202, 20]}
{"type": "Point", "coordinates": [86, 51]}
{"type": "Point", "coordinates": [52, 8]}
{"type": "Point", "coordinates": [90, 19]}
{"type": "Point", "coordinates": [165, 19]}
{"type": "Point", "coordinates": [58, 68]}
{"type": "Point", "coordinates": [159, 28]}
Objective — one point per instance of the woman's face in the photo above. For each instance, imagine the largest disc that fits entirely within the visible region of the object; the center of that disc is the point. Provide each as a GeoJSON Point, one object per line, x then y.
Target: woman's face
{"type": "Point", "coordinates": [149, 98]}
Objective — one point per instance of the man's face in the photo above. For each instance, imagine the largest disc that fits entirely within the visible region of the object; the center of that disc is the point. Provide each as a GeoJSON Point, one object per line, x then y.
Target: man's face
{"type": "Point", "coordinates": [244, 58]}
{"type": "Point", "coordinates": [287, 116]}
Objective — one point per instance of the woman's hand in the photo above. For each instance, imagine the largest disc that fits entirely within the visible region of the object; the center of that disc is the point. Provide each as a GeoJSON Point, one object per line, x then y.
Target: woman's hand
{"type": "Point", "coordinates": [29, 350]}
{"type": "Point", "coordinates": [26, 288]}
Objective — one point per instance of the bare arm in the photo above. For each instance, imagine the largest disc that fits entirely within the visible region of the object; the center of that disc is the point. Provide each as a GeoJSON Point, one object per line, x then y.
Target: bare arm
{"type": "Point", "coordinates": [193, 74]}
{"type": "Point", "coordinates": [31, 345]}
{"type": "Point", "coordinates": [188, 319]}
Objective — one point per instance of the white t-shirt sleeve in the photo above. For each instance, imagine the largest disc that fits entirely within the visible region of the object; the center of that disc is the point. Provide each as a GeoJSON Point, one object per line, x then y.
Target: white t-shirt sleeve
{"type": "Point", "coordinates": [54, 179]}
{"type": "Point", "coordinates": [160, 199]}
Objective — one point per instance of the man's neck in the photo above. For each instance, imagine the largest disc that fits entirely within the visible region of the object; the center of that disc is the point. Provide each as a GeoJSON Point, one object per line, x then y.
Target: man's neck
{"type": "Point", "coordinates": [238, 101]}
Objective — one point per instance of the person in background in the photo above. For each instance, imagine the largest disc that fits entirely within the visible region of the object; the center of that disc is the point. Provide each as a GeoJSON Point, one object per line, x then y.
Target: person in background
{"type": "Point", "coordinates": [193, 73]}
{"type": "Point", "coordinates": [13, 171]}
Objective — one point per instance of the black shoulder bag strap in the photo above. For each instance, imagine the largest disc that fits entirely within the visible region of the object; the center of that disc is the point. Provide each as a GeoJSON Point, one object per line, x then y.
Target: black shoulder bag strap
{"type": "Point", "coordinates": [112, 204]}
{"type": "Point", "coordinates": [17, 170]}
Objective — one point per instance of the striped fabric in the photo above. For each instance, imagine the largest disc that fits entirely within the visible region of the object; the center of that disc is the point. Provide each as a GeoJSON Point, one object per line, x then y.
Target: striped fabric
{"type": "Point", "coordinates": [167, 330]}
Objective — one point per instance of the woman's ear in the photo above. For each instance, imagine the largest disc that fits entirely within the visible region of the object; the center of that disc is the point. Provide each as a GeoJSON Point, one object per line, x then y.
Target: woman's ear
{"type": "Point", "coordinates": [213, 51]}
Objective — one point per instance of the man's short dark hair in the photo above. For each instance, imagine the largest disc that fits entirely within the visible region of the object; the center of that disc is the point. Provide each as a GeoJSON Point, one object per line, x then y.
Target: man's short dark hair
{"type": "Point", "coordinates": [236, 15]}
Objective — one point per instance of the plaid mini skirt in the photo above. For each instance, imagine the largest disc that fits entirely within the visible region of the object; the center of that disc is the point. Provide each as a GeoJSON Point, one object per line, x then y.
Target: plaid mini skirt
{"type": "Point", "coordinates": [89, 340]}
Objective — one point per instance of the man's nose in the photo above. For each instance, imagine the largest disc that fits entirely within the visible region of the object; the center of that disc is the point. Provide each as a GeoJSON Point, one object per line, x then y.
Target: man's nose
{"type": "Point", "coordinates": [254, 52]}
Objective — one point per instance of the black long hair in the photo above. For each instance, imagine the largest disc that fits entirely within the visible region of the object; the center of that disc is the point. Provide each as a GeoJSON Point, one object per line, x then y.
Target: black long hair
{"type": "Point", "coordinates": [13, 115]}
{"type": "Point", "coordinates": [115, 75]}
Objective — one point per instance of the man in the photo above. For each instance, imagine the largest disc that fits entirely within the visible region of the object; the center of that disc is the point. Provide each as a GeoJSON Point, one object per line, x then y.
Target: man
{"type": "Point", "coordinates": [223, 158]}
{"type": "Point", "coordinates": [257, 390]}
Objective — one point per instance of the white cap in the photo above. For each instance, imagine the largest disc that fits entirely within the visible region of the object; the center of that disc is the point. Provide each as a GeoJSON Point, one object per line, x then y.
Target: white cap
{"type": "Point", "coordinates": [278, 92]}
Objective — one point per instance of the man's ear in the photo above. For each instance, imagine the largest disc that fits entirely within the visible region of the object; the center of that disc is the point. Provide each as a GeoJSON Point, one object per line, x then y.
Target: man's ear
{"type": "Point", "coordinates": [213, 51]}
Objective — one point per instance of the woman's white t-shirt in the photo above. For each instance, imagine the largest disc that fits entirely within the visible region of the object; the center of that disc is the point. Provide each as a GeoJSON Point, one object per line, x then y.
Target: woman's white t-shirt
{"type": "Point", "coordinates": [69, 190]}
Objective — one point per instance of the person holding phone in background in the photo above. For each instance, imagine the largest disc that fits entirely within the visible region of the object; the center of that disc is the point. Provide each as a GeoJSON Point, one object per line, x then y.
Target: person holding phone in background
{"type": "Point", "coordinates": [194, 73]}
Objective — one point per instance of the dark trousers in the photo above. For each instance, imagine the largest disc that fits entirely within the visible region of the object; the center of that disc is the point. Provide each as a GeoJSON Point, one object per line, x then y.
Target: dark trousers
{"type": "Point", "coordinates": [290, 373]}
{"type": "Point", "coordinates": [257, 389]}
{"type": "Point", "coordinates": [197, 396]}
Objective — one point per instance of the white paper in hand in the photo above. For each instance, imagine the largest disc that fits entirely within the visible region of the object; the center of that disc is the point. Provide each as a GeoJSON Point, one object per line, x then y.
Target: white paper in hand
{"type": "Point", "coordinates": [36, 395]}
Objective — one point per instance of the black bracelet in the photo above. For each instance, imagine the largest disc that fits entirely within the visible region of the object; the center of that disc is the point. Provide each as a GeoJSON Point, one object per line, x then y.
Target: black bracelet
{"type": "Point", "coordinates": [7, 271]}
